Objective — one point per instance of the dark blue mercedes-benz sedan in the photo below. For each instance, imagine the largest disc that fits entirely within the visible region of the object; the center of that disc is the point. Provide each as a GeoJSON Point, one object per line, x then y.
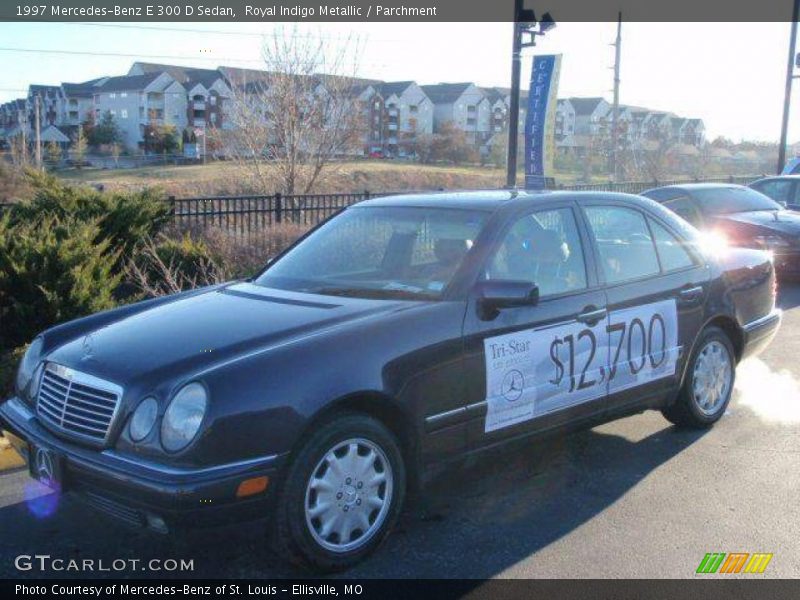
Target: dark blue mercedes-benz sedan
{"type": "Point", "coordinates": [402, 335]}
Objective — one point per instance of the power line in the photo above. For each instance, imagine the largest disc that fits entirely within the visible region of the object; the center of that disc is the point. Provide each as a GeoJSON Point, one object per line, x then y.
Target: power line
{"type": "Point", "coordinates": [223, 32]}
{"type": "Point", "coordinates": [126, 55]}
{"type": "Point", "coordinates": [217, 59]}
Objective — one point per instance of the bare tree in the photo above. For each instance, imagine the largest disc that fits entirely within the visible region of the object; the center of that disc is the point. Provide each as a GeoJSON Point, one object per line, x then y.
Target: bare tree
{"type": "Point", "coordinates": [289, 122]}
{"type": "Point", "coordinates": [155, 275]}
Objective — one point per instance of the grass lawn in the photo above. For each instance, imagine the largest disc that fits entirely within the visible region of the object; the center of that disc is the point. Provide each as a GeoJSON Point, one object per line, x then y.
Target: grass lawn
{"type": "Point", "coordinates": [227, 178]}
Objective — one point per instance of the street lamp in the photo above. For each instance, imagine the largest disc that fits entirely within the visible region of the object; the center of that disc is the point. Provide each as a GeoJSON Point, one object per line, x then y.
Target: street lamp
{"type": "Point", "coordinates": [525, 23]}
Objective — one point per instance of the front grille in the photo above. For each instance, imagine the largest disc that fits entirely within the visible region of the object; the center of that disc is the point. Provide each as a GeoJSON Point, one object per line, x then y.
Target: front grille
{"type": "Point", "coordinates": [77, 404]}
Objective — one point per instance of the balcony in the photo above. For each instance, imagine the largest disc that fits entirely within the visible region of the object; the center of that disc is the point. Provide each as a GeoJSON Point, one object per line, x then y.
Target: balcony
{"type": "Point", "coordinates": [392, 126]}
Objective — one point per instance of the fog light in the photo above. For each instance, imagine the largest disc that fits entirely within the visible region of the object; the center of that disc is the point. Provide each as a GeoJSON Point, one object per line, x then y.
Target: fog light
{"type": "Point", "coordinates": [249, 487]}
{"type": "Point", "coordinates": [156, 523]}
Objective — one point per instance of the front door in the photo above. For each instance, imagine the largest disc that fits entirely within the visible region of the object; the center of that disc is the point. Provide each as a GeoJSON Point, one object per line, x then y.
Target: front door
{"type": "Point", "coordinates": [534, 367]}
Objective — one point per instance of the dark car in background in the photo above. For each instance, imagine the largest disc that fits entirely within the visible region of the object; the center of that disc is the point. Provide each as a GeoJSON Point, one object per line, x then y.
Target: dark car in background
{"type": "Point", "coordinates": [743, 216]}
{"type": "Point", "coordinates": [784, 189]}
{"type": "Point", "coordinates": [400, 337]}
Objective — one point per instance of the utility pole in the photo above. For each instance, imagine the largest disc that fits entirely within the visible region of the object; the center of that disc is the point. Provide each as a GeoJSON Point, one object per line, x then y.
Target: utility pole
{"type": "Point", "coordinates": [615, 114]}
{"type": "Point", "coordinates": [37, 130]}
{"type": "Point", "coordinates": [789, 80]}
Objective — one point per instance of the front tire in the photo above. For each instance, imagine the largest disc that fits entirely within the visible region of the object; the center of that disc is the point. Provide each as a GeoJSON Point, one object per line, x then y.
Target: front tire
{"type": "Point", "coordinates": [343, 494]}
{"type": "Point", "coordinates": [708, 385]}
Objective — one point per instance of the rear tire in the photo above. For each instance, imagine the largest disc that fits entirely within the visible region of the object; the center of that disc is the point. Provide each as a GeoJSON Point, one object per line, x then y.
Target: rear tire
{"type": "Point", "coordinates": [342, 495]}
{"type": "Point", "coordinates": [708, 385]}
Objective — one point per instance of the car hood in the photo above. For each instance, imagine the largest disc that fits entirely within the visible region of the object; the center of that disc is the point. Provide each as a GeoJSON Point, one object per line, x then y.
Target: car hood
{"type": "Point", "coordinates": [782, 221]}
{"type": "Point", "coordinates": [192, 334]}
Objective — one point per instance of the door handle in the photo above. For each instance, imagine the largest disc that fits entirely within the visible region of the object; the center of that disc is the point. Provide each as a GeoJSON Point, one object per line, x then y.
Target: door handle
{"type": "Point", "coordinates": [691, 293]}
{"type": "Point", "coordinates": [592, 315]}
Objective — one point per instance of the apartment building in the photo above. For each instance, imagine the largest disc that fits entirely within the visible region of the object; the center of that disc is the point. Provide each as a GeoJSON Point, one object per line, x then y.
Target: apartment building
{"type": "Point", "coordinates": [136, 101]}
{"type": "Point", "coordinates": [463, 105]}
{"type": "Point", "coordinates": [207, 91]}
{"type": "Point", "coordinates": [409, 113]}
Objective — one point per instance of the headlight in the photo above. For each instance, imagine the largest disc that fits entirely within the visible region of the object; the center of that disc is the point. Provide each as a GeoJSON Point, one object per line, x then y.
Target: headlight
{"type": "Point", "coordinates": [183, 417]}
{"type": "Point", "coordinates": [143, 419]}
{"type": "Point", "coordinates": [28, 364]}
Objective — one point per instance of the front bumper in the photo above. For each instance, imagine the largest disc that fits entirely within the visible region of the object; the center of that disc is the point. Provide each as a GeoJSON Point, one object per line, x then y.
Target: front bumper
{"type": "Point", "coordinates": [759, 333]}
{"type": "Point", "coordinates": [136, 490]}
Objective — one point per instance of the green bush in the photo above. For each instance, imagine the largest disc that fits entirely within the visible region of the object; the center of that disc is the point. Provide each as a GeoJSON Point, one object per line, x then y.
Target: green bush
{"type": "Point", "coordinates": [8, 370]}
{"type": "Point", "coordinates": [123, 219]}
{"type": "Point", "coordinates": [52, 269]}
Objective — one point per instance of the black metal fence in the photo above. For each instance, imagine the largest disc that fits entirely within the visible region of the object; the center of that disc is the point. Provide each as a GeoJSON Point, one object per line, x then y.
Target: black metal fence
{"type": "Point", "coordinates": [249, 219]}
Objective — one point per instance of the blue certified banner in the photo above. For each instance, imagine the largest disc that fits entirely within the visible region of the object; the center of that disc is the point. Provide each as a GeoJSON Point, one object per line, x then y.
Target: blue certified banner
{"type": "Point", "coordinates": [540, 120]}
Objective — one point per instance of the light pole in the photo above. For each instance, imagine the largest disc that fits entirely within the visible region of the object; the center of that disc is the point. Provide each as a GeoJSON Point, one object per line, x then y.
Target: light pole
{"type": "Point", "coordinates": [524, 22]}
{"type": "Point", "coordinates": [790, 64]}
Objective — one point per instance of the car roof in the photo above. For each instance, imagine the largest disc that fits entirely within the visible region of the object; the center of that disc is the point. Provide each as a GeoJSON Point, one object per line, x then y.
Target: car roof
{"type": "Point", "coordinates": [770, 177]}
{"type": "Point", "coordinates": [688, 187]}
{"type": "Point", "coordinates": [489, 200]}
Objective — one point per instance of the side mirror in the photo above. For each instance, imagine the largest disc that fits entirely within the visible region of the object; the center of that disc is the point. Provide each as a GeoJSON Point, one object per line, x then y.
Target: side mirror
{"type": "Point", "coordinates": [495, 295]}
{"type": "Point", "coordinates": [783, 203]}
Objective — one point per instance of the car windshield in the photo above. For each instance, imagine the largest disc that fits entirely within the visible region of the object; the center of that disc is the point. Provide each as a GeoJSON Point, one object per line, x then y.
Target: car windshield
{"type": "Point", "coordinates": [726, 200]}
{"type": "Point", "coordinates": [379, 252]}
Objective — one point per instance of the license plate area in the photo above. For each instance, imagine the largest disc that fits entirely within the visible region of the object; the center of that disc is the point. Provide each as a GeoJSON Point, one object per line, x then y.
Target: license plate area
{"type": "Point", "coordinates": [46, 466]}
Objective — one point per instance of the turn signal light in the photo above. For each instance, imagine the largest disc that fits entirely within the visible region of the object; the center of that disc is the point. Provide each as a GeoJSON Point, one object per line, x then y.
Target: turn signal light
{"type": "Point", "coordinates": [250, 487]}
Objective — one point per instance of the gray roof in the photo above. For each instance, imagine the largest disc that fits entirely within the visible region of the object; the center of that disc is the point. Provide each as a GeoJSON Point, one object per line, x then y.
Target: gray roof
{"type": "Point", "coordinates": [127, 82]}
{"type": "Point", "coordinates": [585, 106]}
{"type": "Point", "coordinates": [78, 90]}
{"type": "Point", "coordinates": [388, 88]}
{"type": "Point", "coordinates": [44, 90]}
{"type": "Point", "coordinates": [444, 93]}
{"type": "Point", "coordinates": [185, 75]}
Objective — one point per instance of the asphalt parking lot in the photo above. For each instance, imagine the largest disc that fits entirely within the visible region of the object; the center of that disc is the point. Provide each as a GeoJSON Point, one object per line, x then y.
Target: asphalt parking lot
{"type": "Point", "coordinates": [634, 498]}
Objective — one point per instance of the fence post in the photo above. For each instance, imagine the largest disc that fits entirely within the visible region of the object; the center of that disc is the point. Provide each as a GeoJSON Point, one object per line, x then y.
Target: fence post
{"type": "Point", "coordinates": [172, 204]}
{"type": "Point", "coordinates": [278, 207]}
{"type": "Point", "coordinates": [366, 194]}
{"type": "Point", "coordinates": [730, 178]}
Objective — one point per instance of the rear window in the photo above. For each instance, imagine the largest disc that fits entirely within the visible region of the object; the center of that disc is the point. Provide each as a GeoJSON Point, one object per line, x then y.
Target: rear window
{"type": "Point", "coordinates": [726, 200]}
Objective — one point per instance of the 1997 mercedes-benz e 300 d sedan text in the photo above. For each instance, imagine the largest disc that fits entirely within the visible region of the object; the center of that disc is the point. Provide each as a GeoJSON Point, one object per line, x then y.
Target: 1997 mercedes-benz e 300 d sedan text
{"type": "Point", "coordinates": [403, 334]}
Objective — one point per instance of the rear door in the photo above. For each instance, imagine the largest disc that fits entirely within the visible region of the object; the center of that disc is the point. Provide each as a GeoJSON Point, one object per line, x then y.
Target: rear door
{"type": "Point", "coordinates": [535, 367]}
{"type": "Point", "coordinates": [656, 288]}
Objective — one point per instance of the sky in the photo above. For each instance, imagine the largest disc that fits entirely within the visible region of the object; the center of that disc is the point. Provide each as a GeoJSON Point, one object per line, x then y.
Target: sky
{"type": "Point", "coordinates": [731, 75]}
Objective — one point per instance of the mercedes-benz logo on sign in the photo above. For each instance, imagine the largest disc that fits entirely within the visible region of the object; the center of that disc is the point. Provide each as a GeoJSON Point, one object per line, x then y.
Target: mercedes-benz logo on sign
{"type": "Point", "coordinates": [44, 465]}
{"type": "Point", "coordinates": [513, 384]}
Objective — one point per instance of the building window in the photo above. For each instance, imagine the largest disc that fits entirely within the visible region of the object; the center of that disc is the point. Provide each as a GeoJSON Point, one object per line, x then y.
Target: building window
{"type": "Point", "coordinates": [413, 109]}
{"type": "Point", "coordinates": [112, 95]}
{"type": "Point", "coordinates": [123, 114]}
{"type": "Point", "coordinates": [212, 100]}
{"type": "Point", "coordinates": [123, 94]}
{"type": "Point", "coordinates": [113, 113]}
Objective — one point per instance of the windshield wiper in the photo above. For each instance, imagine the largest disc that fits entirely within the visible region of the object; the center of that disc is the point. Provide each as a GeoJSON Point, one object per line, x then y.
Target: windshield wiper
{"type": "Point", "coordinates": [372, 293]}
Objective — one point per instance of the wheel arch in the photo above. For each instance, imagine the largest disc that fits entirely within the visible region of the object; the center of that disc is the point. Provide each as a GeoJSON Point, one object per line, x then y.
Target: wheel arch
{"type": "Point", "coordinates": [384, 409]}
{"type": "Point", "coordinates": [732, 329]}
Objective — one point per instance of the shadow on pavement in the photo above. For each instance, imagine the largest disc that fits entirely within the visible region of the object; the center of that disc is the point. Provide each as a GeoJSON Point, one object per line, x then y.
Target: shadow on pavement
{"type": "Point", "coordinates": [473, 523]}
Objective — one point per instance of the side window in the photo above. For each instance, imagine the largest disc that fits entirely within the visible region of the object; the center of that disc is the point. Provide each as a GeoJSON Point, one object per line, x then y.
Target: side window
{"type": "Point", "coordinates": [544, 248]}
{"type": "Point", "coordinates": [777, 189]}
{"type": "Point", "coordinates": [623, 242]}
{"type": "Point", "coordinates": [685, 208]}
{"type": "Point", "coordinates": [671, 250]}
